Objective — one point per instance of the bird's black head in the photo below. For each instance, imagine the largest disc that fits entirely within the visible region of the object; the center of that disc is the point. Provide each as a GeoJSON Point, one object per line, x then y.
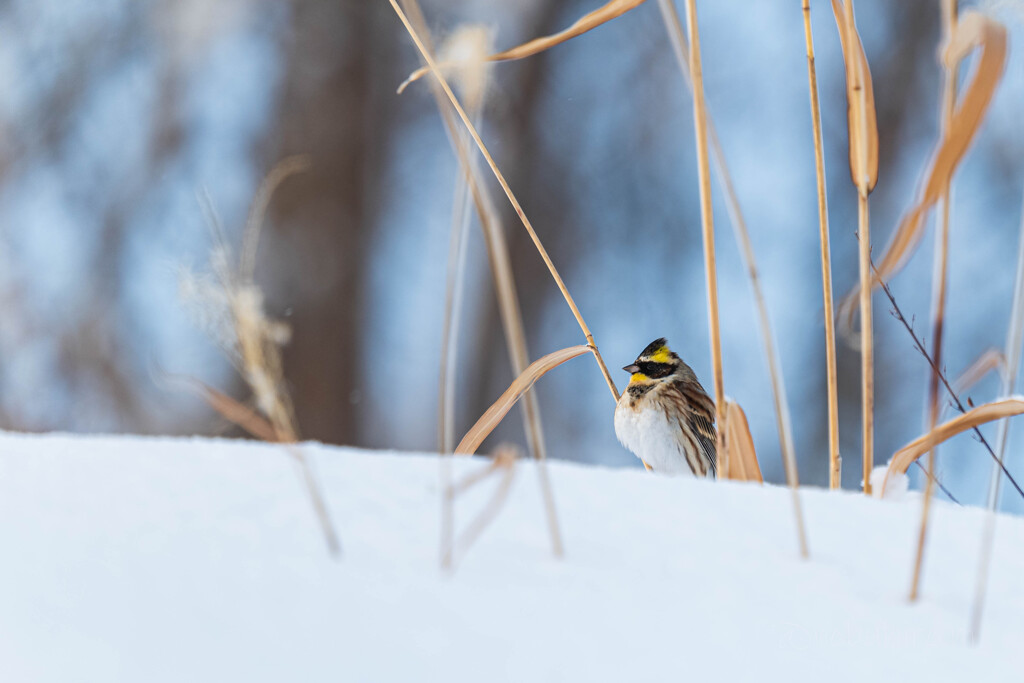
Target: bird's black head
{"type": "Point", "coordinates": [654, 362]}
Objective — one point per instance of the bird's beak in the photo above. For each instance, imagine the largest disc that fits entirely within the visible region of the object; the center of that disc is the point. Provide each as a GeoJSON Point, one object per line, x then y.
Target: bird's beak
{"type": "Point", "coordinates": [631, 369]}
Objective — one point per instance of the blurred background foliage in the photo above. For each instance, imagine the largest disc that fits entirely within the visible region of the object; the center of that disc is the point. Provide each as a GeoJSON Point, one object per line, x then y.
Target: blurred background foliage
{"type": "Point", "coordinates": [116, 114]}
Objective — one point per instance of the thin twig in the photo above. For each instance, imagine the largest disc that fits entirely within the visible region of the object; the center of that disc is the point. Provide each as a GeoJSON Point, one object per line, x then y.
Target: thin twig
{"type": "Point", "coordinates": [898, 314]}
{"type": "Point", "coordinates": [936, 481]}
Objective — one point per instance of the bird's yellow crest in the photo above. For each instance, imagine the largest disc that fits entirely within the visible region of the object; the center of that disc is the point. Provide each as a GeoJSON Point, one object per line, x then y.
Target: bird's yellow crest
{"type": "Point", "coordinates": [662, 355]}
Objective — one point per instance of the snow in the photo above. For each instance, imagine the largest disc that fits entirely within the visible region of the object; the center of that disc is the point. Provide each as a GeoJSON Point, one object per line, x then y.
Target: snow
{"type": "Point", "coordinates": [897, 487]}
{"type": "Point", "coordinates": [139, 559]}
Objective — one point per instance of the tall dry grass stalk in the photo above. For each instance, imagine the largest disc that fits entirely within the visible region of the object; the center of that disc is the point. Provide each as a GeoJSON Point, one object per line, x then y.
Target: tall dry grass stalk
{"type": "Point", "coordinates": [863, 134]}
{"type": "Point", "coordinates": [835, 461]}
{"type": "Point", "coordinates": [474, 80]}
{"type": "Point", "coordinates": [990, 360]}
{"type": "Point", "coordinates": [503, 463]}
{"type": "Point", "coordinates": [939, 269]}
{"type": "Point", "coordinates": [783, 422]}
{"type": "Point", "coordinates": [707, 226]}
{"type": "Point", "coordinates": [454, 290]}
{"type": "Point", "coordinates": [433, 67]}
{"type": "Point", "coordinates": [253, 341]}
{"type": "Point", "coordinates": [520, 387]}
{"type": "Point", "coordinates": [1014, 339]}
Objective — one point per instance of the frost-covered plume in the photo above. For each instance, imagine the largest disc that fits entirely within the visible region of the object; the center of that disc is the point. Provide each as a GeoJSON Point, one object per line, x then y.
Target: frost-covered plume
{"type": "Point", "coordinates": [464, 60]}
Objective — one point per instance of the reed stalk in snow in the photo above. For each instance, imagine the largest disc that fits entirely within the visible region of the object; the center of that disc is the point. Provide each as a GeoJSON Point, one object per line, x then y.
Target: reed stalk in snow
{"type": "Point", "coordinates": [835, 462]}
{"type": "Point", "coordinates": [1014, 339]}
{"type": "Point", "coordinates": [475, 80]}
{"type": "Point", "coordinates": [863, 143]}
{"type": "Point", "coordinates": [500, 177]}
{"type": "Point", "coordinates": [681, 49]}
{"type": "Point", "coordinates": [707, 225]}
{"type": "Point", "coordinates": [939, 270]}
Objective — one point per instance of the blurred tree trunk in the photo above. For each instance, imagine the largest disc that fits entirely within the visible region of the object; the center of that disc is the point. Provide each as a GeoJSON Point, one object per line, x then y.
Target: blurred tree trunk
{"type": "Point", "coordinates": [333, 108]}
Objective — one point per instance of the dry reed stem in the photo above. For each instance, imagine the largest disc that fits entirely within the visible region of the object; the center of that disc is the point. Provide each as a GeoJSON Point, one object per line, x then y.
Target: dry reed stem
{"type": "Point", "coordinates": [744, 465]}
{"type": "Point", "coordinates": [939, 269]}
{"type": "Point", "coordinates": [1014, 340]}
{"type": "Point", "coordinates": [973, 30]}
{"type": "Point", "coordinates": [585, 23]}
{"type": "Point", "coordinates": [257, 341]}
{"type": "Point", "coordinates": [508, 300]}
{"type": "Point", "coordinates": [454, 283]}
{"type": "Point", "coordinates": [323, 515]}
{"type": "Point", "coordinates": [458, 247]}
{"type": "Point", "coordinates": [835, 461]}
{"type": "Point", "coordinates": [863, 143]}
{"type": "Point", "coordinates": [508, 193]}
{"type": "Point", "coordinates": [707, 225]}
{"type": "Point", "coordinates": [504, 462]}
{"type": "Point", "coordinates": [783, 422]}
{"type": "Point", "coordinates": [996, 410]}
{"type": "Point", "coordinates": [867, 350]}
{"type": "Point", "coordinates": [252, 422]}
{"type": "Point", "coordinates": [520, 385]}
{"type": "Point", "coordinates": [860, 97]}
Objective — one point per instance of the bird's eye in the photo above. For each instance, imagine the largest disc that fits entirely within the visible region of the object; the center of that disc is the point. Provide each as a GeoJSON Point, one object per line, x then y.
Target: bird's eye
{"type": "Point", "coordinates": [655, 370]}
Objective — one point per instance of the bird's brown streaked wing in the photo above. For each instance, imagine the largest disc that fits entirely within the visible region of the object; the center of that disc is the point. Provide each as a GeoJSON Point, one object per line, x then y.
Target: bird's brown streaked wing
{"type": "Point", "coordinates": [704, 430]}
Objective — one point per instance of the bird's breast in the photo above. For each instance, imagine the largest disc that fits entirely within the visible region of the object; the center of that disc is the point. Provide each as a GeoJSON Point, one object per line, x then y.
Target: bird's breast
{"type": "Point", "coordinates": [647, 431]}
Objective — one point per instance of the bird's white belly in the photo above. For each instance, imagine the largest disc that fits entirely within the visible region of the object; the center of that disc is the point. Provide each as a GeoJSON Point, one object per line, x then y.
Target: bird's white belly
{"type": "Point", "coordinates": [651, 437]}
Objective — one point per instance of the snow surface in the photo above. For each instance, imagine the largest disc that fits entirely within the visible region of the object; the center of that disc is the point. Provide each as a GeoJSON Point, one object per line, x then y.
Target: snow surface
{"type": "Point", "coordinates": [136, 559]}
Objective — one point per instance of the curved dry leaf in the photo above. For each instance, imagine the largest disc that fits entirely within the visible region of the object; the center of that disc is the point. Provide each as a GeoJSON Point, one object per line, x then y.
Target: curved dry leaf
{"type": "Point", "coordinates": [743, 464]}
{"type": "Point", "coordinates": [588, 21]}
{"type": "Point", "coordinates": [973, 30]}
{"type": "Point", "coordinates": [230, 409]}
{"type": "Point", "coordinates": [860, 112]}
{"type": "Point", "coordinates": [996, 410]}
{"type": "Point", "coordinates": [991, 359]}
{"type": "Point", "coordinates": [496, 413]}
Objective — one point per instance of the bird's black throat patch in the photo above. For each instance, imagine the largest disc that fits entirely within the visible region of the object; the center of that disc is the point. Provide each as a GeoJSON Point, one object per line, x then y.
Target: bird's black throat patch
{"type": "Point", "coordinates": [638, 390]}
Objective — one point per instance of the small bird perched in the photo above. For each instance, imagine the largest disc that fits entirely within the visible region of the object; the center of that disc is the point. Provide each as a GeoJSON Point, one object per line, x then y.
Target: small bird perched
{"type": "Point", "coordinates": [665, 417]}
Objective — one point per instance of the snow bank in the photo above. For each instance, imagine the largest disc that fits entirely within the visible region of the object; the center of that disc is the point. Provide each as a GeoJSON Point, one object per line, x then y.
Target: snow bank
{"type": "Point", "coordinates": [131, 559]}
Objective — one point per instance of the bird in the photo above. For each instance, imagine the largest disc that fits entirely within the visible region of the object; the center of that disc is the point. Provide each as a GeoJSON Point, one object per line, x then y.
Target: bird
{"type": "Point", "coordinates": [665, 417]}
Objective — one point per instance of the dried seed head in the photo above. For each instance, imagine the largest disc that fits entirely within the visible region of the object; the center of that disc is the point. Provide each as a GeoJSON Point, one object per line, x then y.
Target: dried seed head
{"type": "Point", "coordinates": [206, 302]}
{"type": "Point", "coordinates": [465, 54]}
